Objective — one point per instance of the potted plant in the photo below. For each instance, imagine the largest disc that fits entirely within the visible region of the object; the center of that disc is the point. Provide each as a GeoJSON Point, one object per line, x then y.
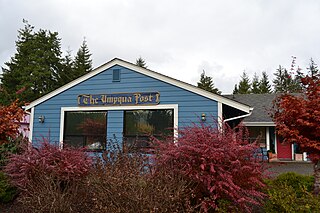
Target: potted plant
{"type": "Point", "coordinates": [271, 155]}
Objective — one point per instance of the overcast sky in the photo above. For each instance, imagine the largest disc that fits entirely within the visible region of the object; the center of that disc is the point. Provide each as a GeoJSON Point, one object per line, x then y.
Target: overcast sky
{"type": "Point", "coordinates": [178, 38]}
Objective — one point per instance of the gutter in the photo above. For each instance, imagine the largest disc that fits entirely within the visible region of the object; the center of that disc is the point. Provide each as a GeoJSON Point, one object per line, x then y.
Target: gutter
{"type": "Point", "coordinates": [241, 116]}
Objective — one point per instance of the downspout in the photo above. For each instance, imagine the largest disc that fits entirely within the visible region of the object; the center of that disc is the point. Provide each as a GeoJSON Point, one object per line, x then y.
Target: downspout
{"type": "Point", "coordinates": [238, 117]}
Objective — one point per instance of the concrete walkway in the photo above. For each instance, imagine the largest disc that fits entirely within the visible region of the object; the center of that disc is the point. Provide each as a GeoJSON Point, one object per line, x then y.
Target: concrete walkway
{"type": "Point", "coordinates": [276, 168]}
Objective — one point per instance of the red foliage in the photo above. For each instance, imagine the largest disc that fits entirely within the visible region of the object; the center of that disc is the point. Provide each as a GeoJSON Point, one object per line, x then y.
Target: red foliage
{"type": "Point", "coordinates": [68, 164]}
{"type": "Point", "coordinates": [92, 126]}
{"type": "Point", "coordinates": [9, 118]}
{"type": "Point", "coordinates": [298, 117]}
{"type": "Point", "coordinates": [221, 163]}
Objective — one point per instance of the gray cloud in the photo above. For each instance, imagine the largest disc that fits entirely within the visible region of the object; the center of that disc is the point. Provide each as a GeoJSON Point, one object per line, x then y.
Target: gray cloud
{"type": "Point", "coordinates": [177, 38]}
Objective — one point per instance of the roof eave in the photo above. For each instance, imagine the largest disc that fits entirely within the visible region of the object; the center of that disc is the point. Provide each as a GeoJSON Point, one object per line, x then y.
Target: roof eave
{"type": "Point", "coordinates": [147, 72]}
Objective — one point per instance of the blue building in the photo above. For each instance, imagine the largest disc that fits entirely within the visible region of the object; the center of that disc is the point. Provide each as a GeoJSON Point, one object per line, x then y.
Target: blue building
{"type": "Point", "coordinates": [123, 101]}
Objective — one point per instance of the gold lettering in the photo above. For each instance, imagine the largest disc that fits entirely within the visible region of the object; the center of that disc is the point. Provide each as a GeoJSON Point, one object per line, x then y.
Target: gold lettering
{"type": "Point", "coordinates": [85, 99]}
{"type": "Point", "coordinates": [120, 100]}
{"type": "Point", "coordinates": [137, 96]}
{"type": "Point", "coordinates": [109, 99]}
{"type": "Point", "coordinates": [103, 99]}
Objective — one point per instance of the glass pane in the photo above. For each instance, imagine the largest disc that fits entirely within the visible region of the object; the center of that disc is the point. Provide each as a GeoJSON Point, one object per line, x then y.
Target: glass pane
{"type": "Point", "coordinates": [148, 122]}
{"type": "Point", "coordinates": [85, 129]}
{"type": "Point", "coordinates": [140, 124]}
{"type": "Point", "coordinates": [74, 141]}
{"type": "Point", "coordinates": [258, 133]}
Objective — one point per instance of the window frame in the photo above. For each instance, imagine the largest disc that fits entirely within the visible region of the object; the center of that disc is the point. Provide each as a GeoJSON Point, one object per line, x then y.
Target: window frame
{"type": "Point", "coordinates": [262, 137]}
{"type": "Point", "coordinates": [143, 138]}
{"type": "Point", "coordinates": [175, 108]}
{"type": "Point", "coordinates": [114, 73]}
{"type": "Point", "coordinates": [86, 136]}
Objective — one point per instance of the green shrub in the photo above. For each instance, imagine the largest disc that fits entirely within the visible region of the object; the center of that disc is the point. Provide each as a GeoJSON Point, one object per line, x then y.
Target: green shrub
{"type": "Point", "coordinates": [13, 147]}
{"type": "Point", "coordinates": [296, 181]}
{"type": "Point", "coordinates": [291, 192]}
{"type": "Point", "coordinates": [7, 192]}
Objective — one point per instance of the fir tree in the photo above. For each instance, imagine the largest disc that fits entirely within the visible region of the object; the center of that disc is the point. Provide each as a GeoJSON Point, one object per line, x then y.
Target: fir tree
{"type": "Point", "coordinates": [141, 63]}
{"type": "Point", "coordinates": [67, 73]}
{"type": "Point", "coordinates": [279, 82]}
{"type": "Point", "coordinates": [82, 61]}
{"type": "Point", "coordinates": [207, 84]}
{"type": "Point", "coordinates": [285, 82]}
{"type": "Point", "coordinates": [264, 84]}
{"type": "Point", "coordinates": [235, 90]}
{"type": "Point", "coordinates": [244, 84]}
{"type": "Point", "coordinates": [255, 84]}
{"type": "Point", "coordinates": [313, 69]}
{"type": "Point", "coordinates": [34, 69]}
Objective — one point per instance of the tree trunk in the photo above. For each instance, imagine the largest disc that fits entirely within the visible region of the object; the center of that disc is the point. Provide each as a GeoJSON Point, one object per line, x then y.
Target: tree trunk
{"type": "Point", "coordinates": [316, 189]}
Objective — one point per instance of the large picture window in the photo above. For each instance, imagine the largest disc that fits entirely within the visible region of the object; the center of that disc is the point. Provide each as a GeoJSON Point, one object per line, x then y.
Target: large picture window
{"type": "Point", "coordinates": [139, 125]}
{"type": "Point", "coordinates": [85, 129]}
{"type": "Point", "coordinates": [258, 133]}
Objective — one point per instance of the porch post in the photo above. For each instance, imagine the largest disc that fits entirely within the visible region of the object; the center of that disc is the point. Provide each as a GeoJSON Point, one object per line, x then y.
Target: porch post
{"type": "Point", "coordinates": [267, 138]}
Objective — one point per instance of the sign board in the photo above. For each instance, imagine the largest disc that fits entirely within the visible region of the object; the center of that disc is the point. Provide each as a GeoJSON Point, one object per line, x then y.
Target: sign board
{"type": "Point", "coordinates": [117, 99]}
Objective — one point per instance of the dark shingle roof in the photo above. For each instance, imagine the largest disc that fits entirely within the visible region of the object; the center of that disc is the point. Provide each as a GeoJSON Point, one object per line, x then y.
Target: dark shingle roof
{"type": "Point", "coordinates": [261, 103]}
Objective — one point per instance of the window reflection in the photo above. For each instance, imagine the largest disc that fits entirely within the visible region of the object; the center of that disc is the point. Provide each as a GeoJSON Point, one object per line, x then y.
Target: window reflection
{"type": "Point", "coordinates": [85, 129]}
{"type": "Point", "coordinates": [139, 125]}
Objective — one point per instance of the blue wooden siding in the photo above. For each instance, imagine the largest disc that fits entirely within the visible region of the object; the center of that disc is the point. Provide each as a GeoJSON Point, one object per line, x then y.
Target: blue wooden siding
{"type": "Point", "coordinates": [115, 125]}
{"type": "Point", "coordinates": [190, 104]}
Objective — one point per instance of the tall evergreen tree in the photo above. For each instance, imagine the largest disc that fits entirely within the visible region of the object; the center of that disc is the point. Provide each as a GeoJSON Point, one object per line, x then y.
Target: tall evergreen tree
{"type": "Point", "coordinates": [207, 84]}
{"type": "Point", "coordinates": [285, 82]}
{"type": "Point", "coordinates": [264, 84]}
{"type": "Point", "coordinates": [313, 69]}
{"type": "Point", "coordinates": [33, 70]}
{"type": "Point", "coordinates": [67, 73]}
{"type": "Point", "coordinates": [235, 90]}
{"type": "Point", "coordinates": [244, 84]}
{"type": "Point", "coordinates": [255, 84]}
{"type": "Point", "coordinates": [141, 63]}
{"type": "Point", "coordinates": [82, 61]}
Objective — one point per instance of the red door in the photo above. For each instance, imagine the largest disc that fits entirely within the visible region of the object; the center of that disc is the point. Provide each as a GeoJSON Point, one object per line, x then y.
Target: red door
{"type": "Point", "coordinates": [284, 150]}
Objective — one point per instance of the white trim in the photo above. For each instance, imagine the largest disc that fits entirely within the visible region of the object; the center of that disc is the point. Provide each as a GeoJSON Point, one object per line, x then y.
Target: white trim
{"type": "Point", "coordinates": [292, 152]}
{"type": "Point", "coordinates": [220, 114]}
{"type": "Point", "coordinates": [304, 154]}
{"type": "Point", "coordinates": [267, 138]}
{"type": "Point", "coordinates": [238, 117]}
{"type": "Point", "coordinates": [146, 72]}
{"type": "Point", "coordinates": [63, 109]}
{"type": "Point", "coordinates": [31, 119]}
{"type": "Point", "coordinates": [259, 124]}
{"type": "Point", "coordinates": [275, 142]}
{"type": "Point", "coordinates": [111, 108]}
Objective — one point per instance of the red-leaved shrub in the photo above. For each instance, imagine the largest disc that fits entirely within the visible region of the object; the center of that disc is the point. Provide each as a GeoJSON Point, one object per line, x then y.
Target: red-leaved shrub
{"type": "Point", "coordinates": [65, 164]}
{"type": "Point", "coordinates": [51, 179]}
{"type": "Point", "coordinates": [124, 183]}
{"type": "Point", "coordinates": [221, 162]}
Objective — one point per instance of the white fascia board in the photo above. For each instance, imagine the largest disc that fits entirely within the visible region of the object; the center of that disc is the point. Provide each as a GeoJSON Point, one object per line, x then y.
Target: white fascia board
{"type": "Point", "coordinates": [146, 72]}
{"type": "Point", "coordinates": [71, 84]}
{"type": "Point", "coordinates": [259, 124]}
{"type": "Point", "coordinates": [31, 120]}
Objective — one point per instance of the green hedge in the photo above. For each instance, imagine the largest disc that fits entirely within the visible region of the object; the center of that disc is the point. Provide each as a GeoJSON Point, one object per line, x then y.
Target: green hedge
{"type": "Point", "coordinates": [291, 192]}
{"type": "Point", "coordinates": [7, 192]}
